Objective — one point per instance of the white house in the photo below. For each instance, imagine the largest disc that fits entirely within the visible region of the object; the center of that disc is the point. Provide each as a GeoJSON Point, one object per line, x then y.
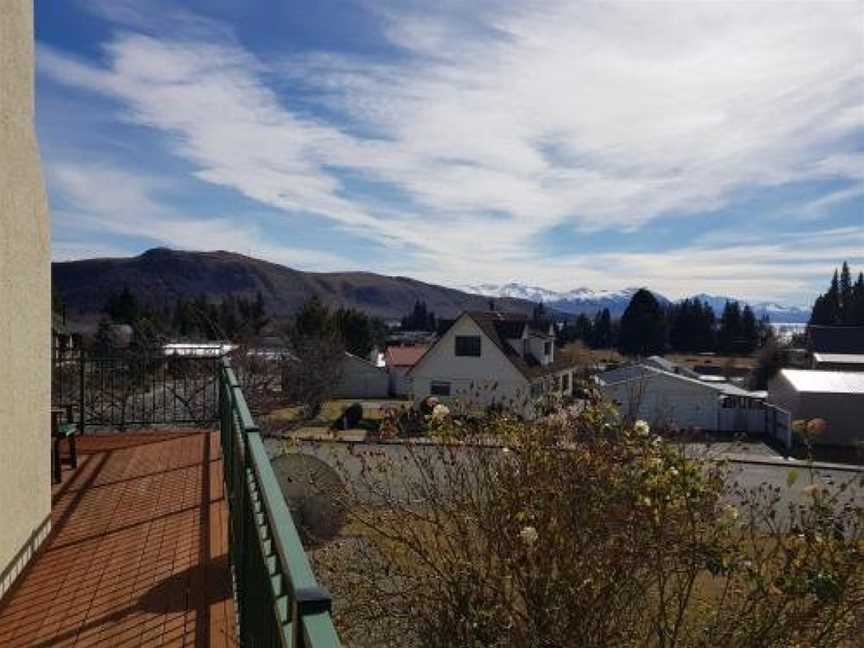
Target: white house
{"type": "Point", "coordinates": [668, 399]}
{"type": "Point", "coordinates": [492, 358]}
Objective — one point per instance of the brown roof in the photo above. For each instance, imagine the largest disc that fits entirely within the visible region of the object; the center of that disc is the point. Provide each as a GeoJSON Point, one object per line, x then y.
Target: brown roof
{"type": "Point", "coordinates": [500, 327]}
{"type": "Point", "coordinates": [404, 356]}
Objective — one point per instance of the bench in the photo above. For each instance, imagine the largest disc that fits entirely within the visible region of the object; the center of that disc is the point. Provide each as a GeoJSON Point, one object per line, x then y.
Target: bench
{"type": "Point", "coordinates": [62, 427]}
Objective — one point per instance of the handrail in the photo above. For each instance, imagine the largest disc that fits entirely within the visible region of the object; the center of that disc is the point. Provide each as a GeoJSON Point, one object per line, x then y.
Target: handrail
{"type": "Point", "coordinates": [279, 601]}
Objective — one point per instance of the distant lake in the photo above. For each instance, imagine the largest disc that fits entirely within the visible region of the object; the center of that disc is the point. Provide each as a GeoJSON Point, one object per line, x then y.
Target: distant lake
{"type": "Point", "coordinates": [785, 330]}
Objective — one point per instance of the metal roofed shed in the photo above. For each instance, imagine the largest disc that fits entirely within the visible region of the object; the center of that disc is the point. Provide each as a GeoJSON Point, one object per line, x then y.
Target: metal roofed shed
{"type": "Point", "coordinates": [835, 396]}
{"type": "Point", "coordinates": [839, 361]}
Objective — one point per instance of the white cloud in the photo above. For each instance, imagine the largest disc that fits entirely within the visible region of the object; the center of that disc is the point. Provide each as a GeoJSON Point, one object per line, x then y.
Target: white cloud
{"type": "Point", "coordinates": [499, 125]}
{"type": "Point", "coordinates": [102, 201]}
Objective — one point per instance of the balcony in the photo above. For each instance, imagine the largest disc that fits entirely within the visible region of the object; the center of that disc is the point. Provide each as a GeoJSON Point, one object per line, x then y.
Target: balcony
{"type": "Point", "coordinates": [155, 541]}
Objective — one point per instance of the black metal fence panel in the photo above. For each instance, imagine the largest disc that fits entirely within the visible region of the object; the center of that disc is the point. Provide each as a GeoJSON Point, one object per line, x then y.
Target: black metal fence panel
{"type": "Point", "coordinates": [128, 390]}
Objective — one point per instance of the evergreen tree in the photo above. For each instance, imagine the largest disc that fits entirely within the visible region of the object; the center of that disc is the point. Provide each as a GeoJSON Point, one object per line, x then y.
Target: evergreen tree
{"type": "Point", "coordinates": [857, 310]}
{"type": "Point", "coordinates": [843, 303]}
{"type": "Point", "coordinates": [123, 307]}
{"type": "Point", "coordinates": [730, 333]}
{"type": "Point", "coordinates": [844, 295]}
{"type": "Point", "coordinates": [355, 329]}
{"type": "Point", "coordinates": [313, 320]}
{"type": "Point", "coordinates": [420, 318]}
{"type": "Point", "coordinates": [643, 326]}
{"type": "Point", "coordinates": [600, 333]}
{"type": "Point", "coordinates": [749, 331]}
{"type": "Point", "coordinates": [102, 344]}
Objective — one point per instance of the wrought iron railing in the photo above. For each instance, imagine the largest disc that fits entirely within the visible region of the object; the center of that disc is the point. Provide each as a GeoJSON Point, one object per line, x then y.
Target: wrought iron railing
{"type": "Point", "coordinates": [134, 389]}
{"type": "Point", "coordinates": [279, 602]}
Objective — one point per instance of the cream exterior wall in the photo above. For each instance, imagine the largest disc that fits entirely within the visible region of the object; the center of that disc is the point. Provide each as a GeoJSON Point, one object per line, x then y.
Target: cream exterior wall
{"type": "Point", "coordinates": [25, 304]}
{"type": "Point", "coordinates": [475, 381]}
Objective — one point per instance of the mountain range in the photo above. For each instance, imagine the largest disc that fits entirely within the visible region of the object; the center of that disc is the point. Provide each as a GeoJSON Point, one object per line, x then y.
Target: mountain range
{"type": "Point", "coordinates": [589, 301]}
{"type": "Point", "coordinates": [160, 275]}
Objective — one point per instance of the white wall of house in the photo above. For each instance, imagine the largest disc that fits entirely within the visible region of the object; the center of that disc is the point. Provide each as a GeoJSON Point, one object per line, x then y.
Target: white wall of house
{"type": "Point", "coordinates": [477, 381]}
{"type": "Point", "coordinates": [537, 345]}
{"type": "Point", "coordinates": [667, 400]}
{"type": "Point", "coordinates": [361, 379]}
{"type": "Point", "coordinates": [25, 305]}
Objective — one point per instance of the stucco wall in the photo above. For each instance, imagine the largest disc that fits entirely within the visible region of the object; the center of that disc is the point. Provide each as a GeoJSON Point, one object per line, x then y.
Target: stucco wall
{"type": "Point", "coordinates": [25, 303]}
{"type": "Point", "coordinates": [474, 381]}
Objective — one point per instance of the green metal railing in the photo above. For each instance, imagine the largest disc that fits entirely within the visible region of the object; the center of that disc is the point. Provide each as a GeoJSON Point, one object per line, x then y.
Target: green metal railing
{"type": "Point", "coordinates": [279, 601]}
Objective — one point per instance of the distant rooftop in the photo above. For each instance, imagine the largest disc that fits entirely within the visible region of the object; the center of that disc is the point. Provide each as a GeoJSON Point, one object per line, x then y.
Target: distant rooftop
{"type": "Point", "coordinates": [825, 382]}
{"type": "Point", "coordinates": [404, 356]}
{"type": "Point", "coordinates": [840, 358]}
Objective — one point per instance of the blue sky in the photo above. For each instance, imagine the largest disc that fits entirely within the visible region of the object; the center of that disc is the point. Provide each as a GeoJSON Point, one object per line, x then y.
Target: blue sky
{"type": "Point", "coordinates": [689, 147]}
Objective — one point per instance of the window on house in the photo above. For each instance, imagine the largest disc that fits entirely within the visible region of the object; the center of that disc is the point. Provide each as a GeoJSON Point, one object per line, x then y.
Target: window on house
{"type": "Point", "coordinates": [547, 348]}
{"type": "Point", "coordinates": [439, 388]}
{"type": "Point", "coordinates": [468, 345]}
{"type": "Point", "coordinates": [565, 382]}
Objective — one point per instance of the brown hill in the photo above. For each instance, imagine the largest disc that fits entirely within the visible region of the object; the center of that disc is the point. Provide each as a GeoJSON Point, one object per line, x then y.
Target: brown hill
{"type": "Point", "coordinates": [160, 275]}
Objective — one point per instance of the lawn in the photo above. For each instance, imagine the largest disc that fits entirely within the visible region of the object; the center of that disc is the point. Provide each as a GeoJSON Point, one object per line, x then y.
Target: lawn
{"type": "Point", "coordinates": [374, 410]}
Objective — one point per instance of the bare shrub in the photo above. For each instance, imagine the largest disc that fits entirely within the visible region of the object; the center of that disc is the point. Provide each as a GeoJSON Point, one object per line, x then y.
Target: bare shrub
{"type": "Point", "coordinates": [583, 531]}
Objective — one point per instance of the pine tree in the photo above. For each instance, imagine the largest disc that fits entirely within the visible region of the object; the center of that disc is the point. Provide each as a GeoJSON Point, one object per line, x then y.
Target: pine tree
{"type": "Point", "coordinates": [600, 331]}
{"type": "Point", "coordinates": [844, 294]}
{"type": "Point", "coordinates": [643, 326]}
{"type": "Point", "coordinates": [730, 332]}
{"type": "Point", "coordinates": [749, 330]}
{"type": "Point", "coordinates": [857, 318]}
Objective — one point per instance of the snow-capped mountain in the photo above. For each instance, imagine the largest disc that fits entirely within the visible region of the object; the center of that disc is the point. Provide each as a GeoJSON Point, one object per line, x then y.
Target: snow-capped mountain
{"type": "Point", "coordinates": [579, 300]}
{"type": "Point", "coordinates": [777, 313]}
{"type": "Point", "coordinates": [586, 300]}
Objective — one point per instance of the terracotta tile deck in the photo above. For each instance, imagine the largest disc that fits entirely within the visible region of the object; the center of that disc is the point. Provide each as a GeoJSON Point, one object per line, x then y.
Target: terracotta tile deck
{"type": "Point", "coordinates": [138, 551]}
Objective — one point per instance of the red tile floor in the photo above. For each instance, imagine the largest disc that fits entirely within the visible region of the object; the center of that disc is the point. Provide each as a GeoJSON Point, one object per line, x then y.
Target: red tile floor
{"type": "Point", "coordinates": [137, 555]}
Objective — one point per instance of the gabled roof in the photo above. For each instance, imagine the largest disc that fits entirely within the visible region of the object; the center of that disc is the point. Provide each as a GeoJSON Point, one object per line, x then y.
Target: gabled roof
{"type": "Point", "coordinates": [643, 372]}
{"type": "Point", "coordinates": [836, 339]}
{"type": "Point", "coordinates": [659, 362]}
{"type": "Point", "coordinates": [500, 327]}
{"type": "Point", "coordinates": [404, 356]}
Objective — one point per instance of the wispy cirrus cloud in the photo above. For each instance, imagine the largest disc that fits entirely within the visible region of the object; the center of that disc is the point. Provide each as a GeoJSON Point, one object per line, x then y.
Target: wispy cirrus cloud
{"type": "Point", "coordinates": [497, 124]}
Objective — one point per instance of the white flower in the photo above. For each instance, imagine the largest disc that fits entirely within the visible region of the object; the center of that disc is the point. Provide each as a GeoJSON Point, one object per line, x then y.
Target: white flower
{"type": "Point", "coordinates": [505, 450]}
{"type": "Point", "coordinates": [440, 412]}
{"type": "Point", "coordinates": [529, 535]}
{"type": "Point", "coordinates": [641, 428]}
{"type": "Point", "coordinates": [730, 512]}
{"type": "Point", "coordinates": [673, 471]}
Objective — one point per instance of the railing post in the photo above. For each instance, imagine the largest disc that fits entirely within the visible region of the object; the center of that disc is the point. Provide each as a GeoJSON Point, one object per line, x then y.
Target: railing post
{"type": "Point", "coordinates": [81, 374]}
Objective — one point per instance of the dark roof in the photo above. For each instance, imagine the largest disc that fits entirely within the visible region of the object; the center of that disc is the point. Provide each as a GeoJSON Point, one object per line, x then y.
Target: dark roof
{"type": "Point", "coordinates": [500, 327]}
{"type": "Point", "coordinates": [836, 339]}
